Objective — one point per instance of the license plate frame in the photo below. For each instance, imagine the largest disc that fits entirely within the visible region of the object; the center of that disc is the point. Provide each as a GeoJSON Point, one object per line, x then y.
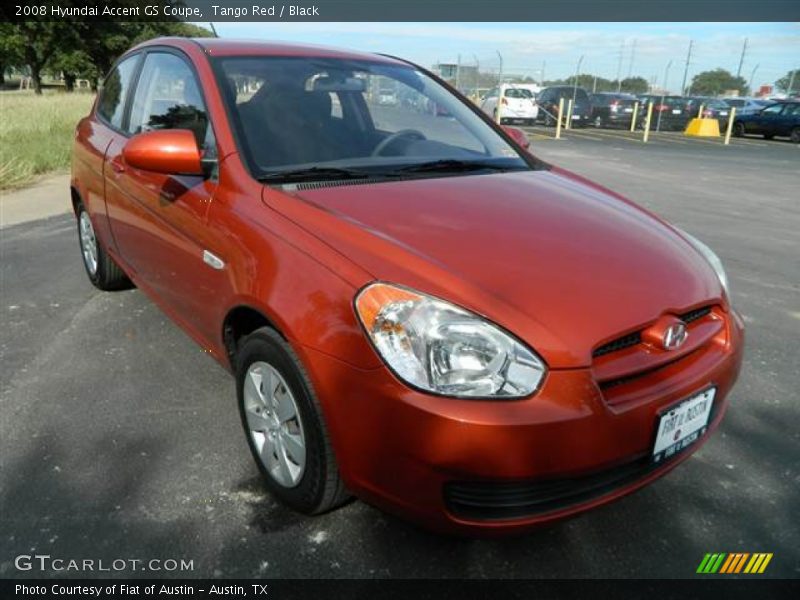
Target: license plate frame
{"type": "Point", "coordinates": [682, 424]}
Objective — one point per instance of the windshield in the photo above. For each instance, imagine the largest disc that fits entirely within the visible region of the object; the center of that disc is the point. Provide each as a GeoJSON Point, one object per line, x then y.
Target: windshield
{"type": "Point", "coordinates": [334, 117]}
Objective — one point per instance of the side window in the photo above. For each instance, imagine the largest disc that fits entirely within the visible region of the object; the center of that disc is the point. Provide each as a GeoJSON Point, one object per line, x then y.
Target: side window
{"type": "Point", "coordinates": [168, 97]}
{"type": "Point", "coordinates": [772, 110]}
{"type": "Point", "coordinates": [111, 106]}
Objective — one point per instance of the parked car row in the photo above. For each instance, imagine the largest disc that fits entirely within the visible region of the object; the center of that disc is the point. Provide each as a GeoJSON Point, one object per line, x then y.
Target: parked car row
{"type": "Point", "coordinates": [520, 104]}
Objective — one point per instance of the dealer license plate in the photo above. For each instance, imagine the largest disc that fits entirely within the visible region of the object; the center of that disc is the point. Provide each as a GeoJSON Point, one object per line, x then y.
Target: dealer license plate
{"type": "Point", "coordinates": [683, 424]}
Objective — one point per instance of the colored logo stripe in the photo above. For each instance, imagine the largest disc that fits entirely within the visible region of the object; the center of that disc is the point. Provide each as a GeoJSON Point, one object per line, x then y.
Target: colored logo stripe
{"type": "Point", "coordinates": [711, 563]}
{"type": "Point", "coordinates": [734, 562]}
{"type": "Point", "coordinates": [758, 563]}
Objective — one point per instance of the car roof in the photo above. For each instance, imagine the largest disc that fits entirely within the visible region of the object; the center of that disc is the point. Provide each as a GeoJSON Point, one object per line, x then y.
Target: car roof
{"type": "Point", "coordinates": [234, 47]}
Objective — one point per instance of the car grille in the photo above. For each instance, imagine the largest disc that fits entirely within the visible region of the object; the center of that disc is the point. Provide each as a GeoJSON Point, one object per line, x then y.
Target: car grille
{"type": "Point", "coordinates": [492, 501]}
{"type": "Point", "coordinates": [631, 339]}
{"type": "Point", "coordinates": [627, 369]}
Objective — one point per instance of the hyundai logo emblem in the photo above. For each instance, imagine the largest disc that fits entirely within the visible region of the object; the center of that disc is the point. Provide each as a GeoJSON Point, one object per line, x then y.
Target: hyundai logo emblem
{"type": "Point", "coordinates": [674, 336]}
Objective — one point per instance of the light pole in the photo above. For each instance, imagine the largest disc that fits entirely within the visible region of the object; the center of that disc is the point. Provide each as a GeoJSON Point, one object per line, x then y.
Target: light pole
{"type": "Point", "coordinates": [500, 77]}
{"type": "Point", "coordinates": [663, 93]}
{"type": "Point", "coordinates": [477, 73]}
{"type": "Point", "coordinates": [575, 86]}
{"type": "Point", "coordinates": [752, 76]}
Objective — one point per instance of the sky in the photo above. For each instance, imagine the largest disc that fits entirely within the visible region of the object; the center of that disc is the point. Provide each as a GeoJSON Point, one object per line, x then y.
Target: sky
{"type": "Point", "coordinates": [773, 48]}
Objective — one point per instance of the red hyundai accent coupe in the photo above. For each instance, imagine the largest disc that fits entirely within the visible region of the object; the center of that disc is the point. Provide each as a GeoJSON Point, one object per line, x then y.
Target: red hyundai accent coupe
{"type": "Point", "coordinates": [416, 310]}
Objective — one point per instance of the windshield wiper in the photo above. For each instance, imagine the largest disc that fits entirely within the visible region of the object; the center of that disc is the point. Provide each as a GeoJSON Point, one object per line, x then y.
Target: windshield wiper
{"type": "Point", "coordinates": [453, 165]}
{"type": "Point", "coordinates": [313, 174]}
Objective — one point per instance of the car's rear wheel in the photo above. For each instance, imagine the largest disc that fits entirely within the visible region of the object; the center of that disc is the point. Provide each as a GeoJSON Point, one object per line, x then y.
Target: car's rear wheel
{"type": "Point", "coordinates": [598, 121]}
{"type": "Point", "coordinates": [769, 136]}
{"type": "Point", "coordinates": [103, 272]}
{"type": "Point", "coordinates": [738, 129]}
{"type": "Point", "coordinates": [284, 426]}
{"type": "Point", "coordinates": [795, 135]}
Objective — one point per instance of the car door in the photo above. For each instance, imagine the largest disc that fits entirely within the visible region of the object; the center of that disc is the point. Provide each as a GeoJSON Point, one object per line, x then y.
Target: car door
{"type": "Point", "coordinates": [158, 219]}
{"type": "Point", "coordinates": [767, 121]}
{"type": "Point", "coordinates": [787, 120]}
{"type": "Point", "coordinates": [93, 137]}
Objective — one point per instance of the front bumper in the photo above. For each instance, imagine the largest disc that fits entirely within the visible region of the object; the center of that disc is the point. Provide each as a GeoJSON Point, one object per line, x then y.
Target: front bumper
{"type": "Point", "coordinates": [404, 451]}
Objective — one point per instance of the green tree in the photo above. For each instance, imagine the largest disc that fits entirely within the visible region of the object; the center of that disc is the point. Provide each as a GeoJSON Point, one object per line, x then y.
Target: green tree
{"type": "Point", "coordinates": [38, 42]}
{"type": "Point", "coordinates": [10, 50]}
{"type": "Point", "coordinates": [635, 85]}
{"type": "Point", "coordinates": [73, 64]}
{"type": "Point", "coordinates": [712, 83]}
{"type": "Point", "coordinates": [784, 82]}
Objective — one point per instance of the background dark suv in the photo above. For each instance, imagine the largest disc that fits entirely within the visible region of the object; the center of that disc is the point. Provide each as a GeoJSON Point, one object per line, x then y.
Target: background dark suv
{"type": "Point", "coordinates": [548, 104]}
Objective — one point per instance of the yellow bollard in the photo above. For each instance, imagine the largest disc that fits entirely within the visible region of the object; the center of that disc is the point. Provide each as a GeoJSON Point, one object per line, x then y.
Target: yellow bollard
{"type": "Point", "coordinates": [729, 129]}
{"type": "Point", "coordinates": [568, 124]}
{"type": "Point", "coordinates": [560, 114]}
{"type": "Point", "coordinates": [647, 121]}
{"type": "Point", "coordinates": [700, 112]}
{"type": "Point", "coordinates": [633, 118]}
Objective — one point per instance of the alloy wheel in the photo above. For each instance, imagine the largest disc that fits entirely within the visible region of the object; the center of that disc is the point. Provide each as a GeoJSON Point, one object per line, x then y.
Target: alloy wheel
{"type": "Point", "coordinates": [88, 243]}
{"type": "Point", "coordinates": [274, 424]}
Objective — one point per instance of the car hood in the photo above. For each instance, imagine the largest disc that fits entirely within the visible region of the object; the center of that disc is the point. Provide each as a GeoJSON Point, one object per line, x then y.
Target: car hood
{"type": "Point", "coordinates": [563, 264]}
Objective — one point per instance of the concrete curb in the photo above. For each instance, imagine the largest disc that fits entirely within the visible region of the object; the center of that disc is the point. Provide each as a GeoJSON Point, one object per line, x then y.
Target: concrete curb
{"type": "Point", "coordinates": [46, 197]}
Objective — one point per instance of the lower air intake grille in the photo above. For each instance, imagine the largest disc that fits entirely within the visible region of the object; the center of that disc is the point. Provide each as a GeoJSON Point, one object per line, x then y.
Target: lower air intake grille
{"type": "Point", "coordinates": [491, 501]}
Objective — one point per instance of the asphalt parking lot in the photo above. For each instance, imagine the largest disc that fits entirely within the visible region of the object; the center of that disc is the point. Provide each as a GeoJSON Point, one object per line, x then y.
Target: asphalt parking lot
{"type": "Point", "coordinates": [119, 437]}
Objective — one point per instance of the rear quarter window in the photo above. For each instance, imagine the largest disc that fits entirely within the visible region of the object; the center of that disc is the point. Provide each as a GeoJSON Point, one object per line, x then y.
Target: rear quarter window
{"type": "Point", "coordinates": [111, 106]}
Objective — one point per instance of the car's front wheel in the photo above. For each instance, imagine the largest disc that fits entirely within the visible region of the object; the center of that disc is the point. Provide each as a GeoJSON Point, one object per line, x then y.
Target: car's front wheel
{"type": "Point", "coordinates": [103, 272]}
{"type": "Point", "coordinates": [284, 426]}
{"type": "Point", "coordinates": [795, 135]}
{"type": "Point", "coordinates": [738, 129]}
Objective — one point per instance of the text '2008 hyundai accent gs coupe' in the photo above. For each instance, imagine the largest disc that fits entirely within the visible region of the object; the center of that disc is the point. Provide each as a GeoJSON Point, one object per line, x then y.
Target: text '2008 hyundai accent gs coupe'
{"type": "Point", "coordinates": [417, 311]}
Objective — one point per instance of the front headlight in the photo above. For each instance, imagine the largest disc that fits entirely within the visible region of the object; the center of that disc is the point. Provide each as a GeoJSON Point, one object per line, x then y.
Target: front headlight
{"type": "Point", "coordinates": [711, 258]}
{"type": "Point", "coordinates": [441, 348]}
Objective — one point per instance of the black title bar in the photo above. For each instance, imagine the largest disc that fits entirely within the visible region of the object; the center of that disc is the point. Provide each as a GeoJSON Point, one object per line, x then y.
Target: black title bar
{"type": "Point", "coordinates": [405, 10]}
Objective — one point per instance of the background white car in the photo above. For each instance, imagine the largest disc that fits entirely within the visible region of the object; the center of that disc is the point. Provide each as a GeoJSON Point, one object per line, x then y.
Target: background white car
{"type": "Point", "coordinates": [517, 103]}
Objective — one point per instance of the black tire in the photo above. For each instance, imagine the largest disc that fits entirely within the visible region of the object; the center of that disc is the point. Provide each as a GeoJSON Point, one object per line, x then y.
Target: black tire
{"type": "Point", "coordinates": [795, 135]}
{"type": "Point", "coordinates": [769, 136]}
{"type": "Point", "coordinates": [738, 129]}
{"type": "Point", "coordinates": [107, 276]}
{"type": "Point", "coordinates": [320, 488]}
{"type": "Point", "coordinates": [598, 122]}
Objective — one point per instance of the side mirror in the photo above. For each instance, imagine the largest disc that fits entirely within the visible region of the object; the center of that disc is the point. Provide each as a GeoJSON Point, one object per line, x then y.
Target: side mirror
{"type": "Point", "coordinates": [518, 136]}
{"type": "Point", "coordinates": [172, 151]}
